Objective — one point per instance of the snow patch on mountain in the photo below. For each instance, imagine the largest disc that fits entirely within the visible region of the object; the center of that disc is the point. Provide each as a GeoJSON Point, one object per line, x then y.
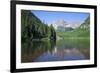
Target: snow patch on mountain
{"type": "Point", "coordinates": [64, 24]}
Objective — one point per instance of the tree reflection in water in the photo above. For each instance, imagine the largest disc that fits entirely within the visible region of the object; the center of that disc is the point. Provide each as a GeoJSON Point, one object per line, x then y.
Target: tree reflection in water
{"type": "Point", "coordinates": [42, 51]}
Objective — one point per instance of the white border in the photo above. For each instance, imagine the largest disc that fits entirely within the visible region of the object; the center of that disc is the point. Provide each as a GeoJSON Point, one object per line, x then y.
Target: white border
{"type": "Point", "coordinates": [20, 65]}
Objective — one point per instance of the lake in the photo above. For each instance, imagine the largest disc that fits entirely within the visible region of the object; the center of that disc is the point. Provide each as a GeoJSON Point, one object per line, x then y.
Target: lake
{"type": "Point", "coordinates": [60, 50]}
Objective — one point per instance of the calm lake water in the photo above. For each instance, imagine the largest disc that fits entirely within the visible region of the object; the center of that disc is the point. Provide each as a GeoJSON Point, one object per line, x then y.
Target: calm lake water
{"type": "Point", "coordinates": [61, 50]}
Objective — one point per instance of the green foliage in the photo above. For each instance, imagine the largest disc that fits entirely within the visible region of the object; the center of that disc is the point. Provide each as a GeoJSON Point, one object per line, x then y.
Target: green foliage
{"type": "Point", "coordinates": [87, 21]}
{"type": "Point", "coordinates": [85, 24]}
{"type": "Point", "coordinates": [33, 28]}
{"type": "Point", "coordinates": [75, 33]}
{"type": "Point", "coordinates": [52, 32]}
{"type": "Point", "coordinates": [83, 31]}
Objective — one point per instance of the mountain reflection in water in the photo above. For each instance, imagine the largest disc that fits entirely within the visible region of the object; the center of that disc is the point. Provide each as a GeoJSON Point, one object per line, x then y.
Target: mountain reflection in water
{"type": "Point", "coordinates": [42, 51]}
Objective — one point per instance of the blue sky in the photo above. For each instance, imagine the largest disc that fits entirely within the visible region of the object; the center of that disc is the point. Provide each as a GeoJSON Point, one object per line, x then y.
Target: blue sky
{"type": "Point", "coordinates": [50, 17]}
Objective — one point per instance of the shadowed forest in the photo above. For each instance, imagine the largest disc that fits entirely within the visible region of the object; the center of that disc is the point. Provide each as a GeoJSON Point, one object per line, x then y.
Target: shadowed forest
{"type": "Point", "coordinates": [34, 29]}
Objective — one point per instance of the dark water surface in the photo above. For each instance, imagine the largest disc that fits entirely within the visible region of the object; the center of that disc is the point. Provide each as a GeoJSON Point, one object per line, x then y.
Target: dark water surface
{"type": "Point", "coordinates": [61, 50]}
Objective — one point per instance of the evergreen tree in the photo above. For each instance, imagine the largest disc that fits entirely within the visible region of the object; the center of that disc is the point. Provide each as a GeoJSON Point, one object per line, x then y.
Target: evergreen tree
{"type": "Point", "coordinates": [33, 28]}
{"type": "Point", "coordinates": [52, 33]}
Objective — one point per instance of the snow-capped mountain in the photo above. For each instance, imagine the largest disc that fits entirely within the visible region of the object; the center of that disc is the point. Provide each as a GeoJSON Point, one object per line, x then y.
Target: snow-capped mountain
{"type": "Point", "coordinates": [63, 25]}
{"type": "Point", "coordinates": [60, 23]}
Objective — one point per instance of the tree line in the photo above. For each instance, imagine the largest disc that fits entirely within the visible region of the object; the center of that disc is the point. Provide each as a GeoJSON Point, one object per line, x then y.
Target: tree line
{"type": "Point", "coordinates": [33, 28]}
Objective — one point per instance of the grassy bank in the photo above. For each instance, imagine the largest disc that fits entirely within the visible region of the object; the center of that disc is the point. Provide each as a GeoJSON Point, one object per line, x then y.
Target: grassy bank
{"type": "Point", "coordinates": [78, 33]}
